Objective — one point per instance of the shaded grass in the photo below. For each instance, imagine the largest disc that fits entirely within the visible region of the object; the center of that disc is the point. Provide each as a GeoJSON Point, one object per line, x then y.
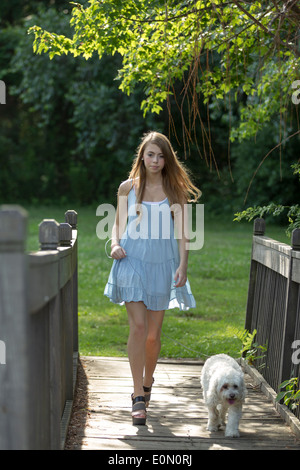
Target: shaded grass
{"type": "Point", "coordinates": [218, 274]}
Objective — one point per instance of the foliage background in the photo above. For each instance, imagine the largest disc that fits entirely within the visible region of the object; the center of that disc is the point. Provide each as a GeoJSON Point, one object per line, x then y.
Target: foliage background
{"type": "Point", "coordinates": [67, 139]}
{"type": "Point", "coordinates": [68, 134]}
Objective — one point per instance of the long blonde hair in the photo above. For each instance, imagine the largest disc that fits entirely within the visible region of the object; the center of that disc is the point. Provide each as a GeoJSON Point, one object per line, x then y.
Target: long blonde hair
{"type": "Point", "coordinates": [177, 183]}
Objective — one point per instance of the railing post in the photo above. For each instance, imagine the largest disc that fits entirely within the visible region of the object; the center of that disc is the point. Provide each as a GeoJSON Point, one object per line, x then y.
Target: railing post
{"type": "Point", "coordinates": [71, 218]}
{"type": "Point", "coordinates": [15, 419]}
{"type": "Point", "coordinates": [65, 234]}
{"type": "Point", "coordinates": [65, 231]}
{"type": "Point", "coordinates": [49, 234]}
{"type": "Point", "coordinates": [49, 238]}
{"type": "Point", "coordinates": [259, 227]}
{"type": "Point", "coordinates": [290, 314]}
{"type": "Point", "coordinates": [296, 239]}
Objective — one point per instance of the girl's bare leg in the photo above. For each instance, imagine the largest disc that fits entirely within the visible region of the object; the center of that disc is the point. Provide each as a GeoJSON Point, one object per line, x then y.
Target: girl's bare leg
{"type": "Point", "coordinates": [137, 316]}
{"type": "Point", "coordinates": [153, 343]}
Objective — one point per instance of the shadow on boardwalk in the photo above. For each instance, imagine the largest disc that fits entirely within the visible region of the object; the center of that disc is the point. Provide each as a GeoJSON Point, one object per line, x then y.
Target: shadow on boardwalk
{"type": "Point", "coordinates": [177, 417]}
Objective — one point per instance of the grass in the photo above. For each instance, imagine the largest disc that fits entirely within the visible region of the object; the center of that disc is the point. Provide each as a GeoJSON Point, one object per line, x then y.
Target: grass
{"type": "Point", "coordinates": [218, 274]}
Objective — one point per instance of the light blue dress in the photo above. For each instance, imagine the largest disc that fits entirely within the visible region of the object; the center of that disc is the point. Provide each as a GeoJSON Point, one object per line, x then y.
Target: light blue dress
{"type": "Point", "coordinates": [147, 272]}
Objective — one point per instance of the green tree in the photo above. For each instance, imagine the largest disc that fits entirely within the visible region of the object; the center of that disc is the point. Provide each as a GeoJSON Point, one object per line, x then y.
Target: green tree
{"type": "Point", "coordinates": [68, 127]}
{"type": "Point", "coordinates": [67, 132]}
{"type": "Point", "coordinates": [250, 52]}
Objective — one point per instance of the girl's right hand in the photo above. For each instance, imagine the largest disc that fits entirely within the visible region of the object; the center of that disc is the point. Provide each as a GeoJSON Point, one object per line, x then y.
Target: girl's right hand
{"type": "Point", "coordinates": [117, 252]}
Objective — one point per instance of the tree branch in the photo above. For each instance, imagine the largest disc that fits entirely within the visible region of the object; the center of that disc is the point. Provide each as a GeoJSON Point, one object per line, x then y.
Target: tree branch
{"type": "Point", "coordinates": [283, 43]}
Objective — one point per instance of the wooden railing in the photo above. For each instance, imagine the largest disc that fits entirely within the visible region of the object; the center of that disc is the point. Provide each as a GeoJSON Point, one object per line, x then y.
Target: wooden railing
{"type": "Point", "coordinates": [273, 307]}
{"type": "Point", "coordinates": [38, 331]}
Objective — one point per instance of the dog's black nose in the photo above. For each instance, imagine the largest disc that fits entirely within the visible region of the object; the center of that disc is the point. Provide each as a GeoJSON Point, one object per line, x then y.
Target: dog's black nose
{"type": "Point", "coordinates": [232, 396]}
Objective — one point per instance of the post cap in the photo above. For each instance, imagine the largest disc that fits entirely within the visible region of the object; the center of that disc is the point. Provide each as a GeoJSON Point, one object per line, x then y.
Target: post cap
{"type": "Point", "coordinates": [65, 234]}
{"type": "Point", "coordinates": [71, 218]}
{"type": "Point", "coordinates": [13, 228]}
{"type": "Point", "coordinates": [49, 234]}
{"type": "Point", "coordinates": [259, 227]}
{"type": "Point", "coordinates": [296, 239]}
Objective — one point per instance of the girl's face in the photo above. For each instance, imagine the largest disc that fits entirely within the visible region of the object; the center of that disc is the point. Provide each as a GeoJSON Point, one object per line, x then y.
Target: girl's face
{"type": "Point", "coordinates": [153, 158]}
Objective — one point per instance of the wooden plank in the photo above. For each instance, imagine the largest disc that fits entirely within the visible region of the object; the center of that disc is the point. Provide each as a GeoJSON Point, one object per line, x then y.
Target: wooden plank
{"type": "Point", "coordinates": [14, 387]}
{"type": "Point", "coordinates": [272, 244]}
{"type": "Point", "coordinates": [177, 416]}
{"type": "Point", "coordinates": [43, 278]}
{"type": "Point", "coordinates": [65, 265]}
{"type": "Point", "coordinates": [296, 267]}
{"type": "Point", "coordinates": [274, 255]}
{"type": "Point", "coordinates": [55, 372]}
{"type": "Point", "coordinates": [114, 445]}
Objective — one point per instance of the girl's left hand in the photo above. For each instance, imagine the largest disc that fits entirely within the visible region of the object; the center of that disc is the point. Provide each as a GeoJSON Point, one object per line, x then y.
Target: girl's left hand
{"type": "Point", "coordinates": [180, 277]}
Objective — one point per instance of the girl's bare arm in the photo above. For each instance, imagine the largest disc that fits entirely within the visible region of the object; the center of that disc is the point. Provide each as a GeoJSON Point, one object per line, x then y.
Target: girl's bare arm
{"type": "Point", "coordinates": [117, 252]}
{"type": "Point", "coordinates": [181, 224]}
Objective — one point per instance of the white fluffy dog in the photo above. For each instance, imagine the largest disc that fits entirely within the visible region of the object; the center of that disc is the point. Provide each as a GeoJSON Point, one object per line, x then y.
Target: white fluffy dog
{"type": "Point", "coordinates": [224, 390]}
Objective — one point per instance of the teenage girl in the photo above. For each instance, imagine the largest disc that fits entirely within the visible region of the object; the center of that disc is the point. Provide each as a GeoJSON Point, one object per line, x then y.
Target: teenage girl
{"type": "Point", "coordinates": [149, 272]}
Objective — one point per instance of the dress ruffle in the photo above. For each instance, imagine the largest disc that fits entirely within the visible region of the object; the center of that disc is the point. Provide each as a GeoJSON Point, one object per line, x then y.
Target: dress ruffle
{"type": "Point", "coordinates": [151, 283]}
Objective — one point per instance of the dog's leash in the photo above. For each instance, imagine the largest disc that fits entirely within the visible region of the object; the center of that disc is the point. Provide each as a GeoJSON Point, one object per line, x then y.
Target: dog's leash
{"type": "Point", "coordinates": [199, 353]}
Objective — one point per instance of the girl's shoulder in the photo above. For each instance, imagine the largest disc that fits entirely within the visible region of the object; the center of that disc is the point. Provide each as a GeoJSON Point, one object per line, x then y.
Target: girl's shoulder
{"type": "Point", "coordinates": [125, 187]}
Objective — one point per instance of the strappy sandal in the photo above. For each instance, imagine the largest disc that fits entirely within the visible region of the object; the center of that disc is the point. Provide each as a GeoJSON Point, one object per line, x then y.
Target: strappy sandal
{"type": "Point", "coordinates": [147, 391]}
{"type": "Point", "coordinates": [138, 410]}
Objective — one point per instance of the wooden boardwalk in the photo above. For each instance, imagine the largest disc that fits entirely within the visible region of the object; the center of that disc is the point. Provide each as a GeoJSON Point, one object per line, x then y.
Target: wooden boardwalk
{"type": "Point", "coordinates": [177, 416]}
